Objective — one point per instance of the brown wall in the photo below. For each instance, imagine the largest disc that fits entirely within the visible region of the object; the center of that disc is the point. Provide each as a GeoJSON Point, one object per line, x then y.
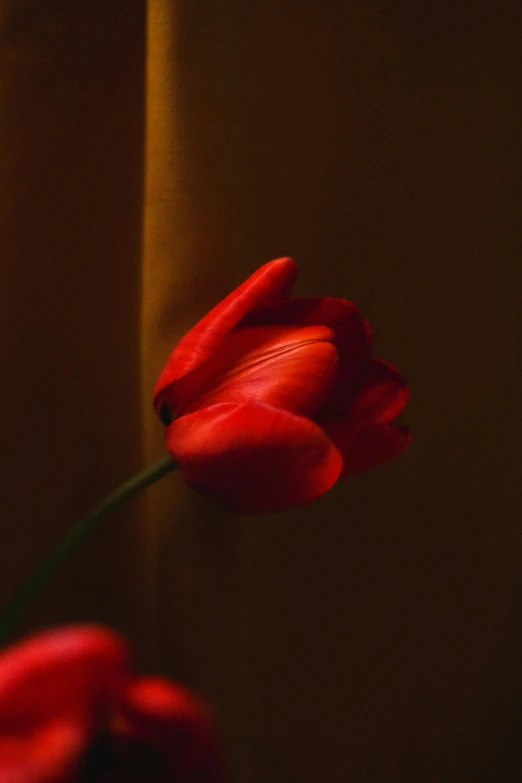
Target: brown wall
{"type": "Point", "coordinates": [375, 635]}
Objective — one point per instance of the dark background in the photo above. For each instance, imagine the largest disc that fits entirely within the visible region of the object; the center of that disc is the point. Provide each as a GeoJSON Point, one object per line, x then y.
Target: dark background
{"type": "Point", "coordinates": [373, 636]}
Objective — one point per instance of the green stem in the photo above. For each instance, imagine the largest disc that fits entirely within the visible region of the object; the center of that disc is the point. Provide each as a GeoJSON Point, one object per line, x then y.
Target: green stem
{"type": "Point", "coordinates": [27, 592]}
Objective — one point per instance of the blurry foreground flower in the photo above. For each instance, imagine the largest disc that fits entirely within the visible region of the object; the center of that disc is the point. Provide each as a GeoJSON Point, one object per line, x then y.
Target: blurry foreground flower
{"type": "Point", "coordinates": [269, 400]}
{"type": "Point", "coordinates": [72, 711]}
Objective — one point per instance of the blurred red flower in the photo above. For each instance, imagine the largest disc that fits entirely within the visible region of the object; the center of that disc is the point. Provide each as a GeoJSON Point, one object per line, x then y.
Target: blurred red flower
{"type": "Point", "coordinates": [269, 400]}
{"type": "Point", "coordinates": [72, 711]}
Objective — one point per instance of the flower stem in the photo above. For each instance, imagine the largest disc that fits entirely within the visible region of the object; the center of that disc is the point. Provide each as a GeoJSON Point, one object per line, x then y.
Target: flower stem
{"type": "Point", "coordinates": [28, 590]}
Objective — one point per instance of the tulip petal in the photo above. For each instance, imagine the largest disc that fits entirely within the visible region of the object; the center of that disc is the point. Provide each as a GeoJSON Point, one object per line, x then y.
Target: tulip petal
{"type": "Point", "coordinates": [383, 395]}
{"type": "Point", "coordinates": [269, 283]}
{"type": "Point", "coordinates": [366, 448]}
{"type": "Point", "coordinates": [85, 658]}
{"type": "Point", "coordinates": [178, 724]}
{"type": "Point", "coordinates": [289, 367]}
{"type": "Point", "coordinates": [253, 458]}
{"type": "Point", "coordinates": [49, 685]}
{"type": "Point", "coordinates": [48, 753]}
{"type": "Point", "coordinates": [353, 337]}
{"type": "Point", "coordinates": [353, 341]}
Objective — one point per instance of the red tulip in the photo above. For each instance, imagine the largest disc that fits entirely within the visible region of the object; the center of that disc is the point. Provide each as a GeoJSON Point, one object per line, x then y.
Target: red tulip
{"type": "Point", "coordinates": [72, 711]}
{"type": "Point", "coordinates": [270, 400]}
